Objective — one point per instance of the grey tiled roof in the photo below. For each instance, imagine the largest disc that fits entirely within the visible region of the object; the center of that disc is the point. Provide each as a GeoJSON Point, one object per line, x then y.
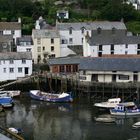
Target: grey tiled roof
{"type": "Point", "coordinates": [15, 55]}
{"type": "Point", "coordinates": [64, 60]}
{"type": "Point", "coordinates": [110, 64]}
{"type": "Point", "coordinates": [106, 25]}
{"type": "Point", "coordinates": [106, 40]}
{"type": "Point", "coordinates": [45, 33]}
{"type": "Point", "coordinates": [10, 26]}
{"type": "Point", "coordinates": [24, 39]}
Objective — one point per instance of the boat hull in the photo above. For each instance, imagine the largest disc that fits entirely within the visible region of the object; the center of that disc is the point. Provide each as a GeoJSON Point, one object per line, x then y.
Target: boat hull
{"type": "Point", "coordinates": [50, 97]}
{"type": "Point", "coordinates": [6, 102]}
{"type": "Point", "coordinates": [125, 113]}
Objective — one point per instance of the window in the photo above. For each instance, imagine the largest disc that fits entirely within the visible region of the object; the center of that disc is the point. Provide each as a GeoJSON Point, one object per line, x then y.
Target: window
{"type": "Point", "coordinates": [100, 48]}
{"type": "Point", "coordinates": [38, 41]}
{"type": "Point", "coordinates": [13, 32]}
{"type": "Point", "coordinates": [112, 47]}
{"type": "Point", "coordinates": [82, 40]}
{"type": "Point", "coordinates": [19, 70]}
{"type": "Point", "coordinates": [52, 40]}
{"type": "Point", "coordinates": [52, 48]}
{"type": "Point", "coordinates": [99, 30]}
{"type": "Point", "coordinates": [82, 30]}
{"type": "Point", "coordinates": [11, 61]}
{"type": "Point", "coordinates": [64, 41]}
{"type": "Point", "coordinates": [4, 70]}
{"type": "Point", "coordinates": [70, 30]}
{"type": "Point", "coordinates": [126, 46]}
{"type": "Point", "coordinates": [28, 50]}
{"type": "Point", "coordinates": [39, 49]}
{"type": "Point", "coordinates": [43, 48]}
{"type": "Point", "coordinates": [3, 61]}
{"type": "Point", "coordinates": [138, 52]}
{"type": "Point", "coordinates": [52, 56]}
{"type": "Point", "coordinates": [23, 61]}
{"type": "Point", "coordinates": [62, 68]}
{"type": "Point", "coordinates": [68, 68]}
{"type": "Point", "coordinates": [124, 77]}
{"type": "Point", "coordinates": [11, 70]}
{"type": "Point", "coordinates": [70, 40]}
{"type": "Point", "coordinates": [113, 30]}
{"type": "Point", "coordinates": [126, 52]}
{"type": "Point", "coordinates": [138, 46]}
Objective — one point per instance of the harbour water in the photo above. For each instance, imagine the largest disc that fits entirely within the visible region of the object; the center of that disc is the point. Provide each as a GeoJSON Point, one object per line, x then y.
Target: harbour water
{"type": "Point", "coordinates": [58, 121]}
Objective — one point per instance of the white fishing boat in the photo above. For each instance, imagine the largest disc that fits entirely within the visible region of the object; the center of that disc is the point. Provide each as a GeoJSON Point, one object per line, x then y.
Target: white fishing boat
{"type": "Point", "coordinates": [125, 109]}
{"type": "Point", "coordinates": [110, 103]}
{"type": "Point", "coordinates": [136, 125]}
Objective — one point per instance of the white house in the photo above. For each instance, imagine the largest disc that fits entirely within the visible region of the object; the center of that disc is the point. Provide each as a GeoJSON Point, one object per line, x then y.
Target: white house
{"type": "Point", "coordinates": [110, 43]}
{"type": "Point", "coordinates": [72, 34]}
{"type": "Point", "coordinates": [24, 44]}
{"type": "Point", "coordinates": [110, 69]}
{"type": "Point", "coordinates": [11, 28]}
{"type": "Point", "coordinates": [15, 65]}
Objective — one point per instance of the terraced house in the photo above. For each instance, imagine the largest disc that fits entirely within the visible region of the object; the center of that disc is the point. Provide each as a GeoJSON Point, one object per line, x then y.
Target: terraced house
{"type": "Point", "coordinates": [46, 45]}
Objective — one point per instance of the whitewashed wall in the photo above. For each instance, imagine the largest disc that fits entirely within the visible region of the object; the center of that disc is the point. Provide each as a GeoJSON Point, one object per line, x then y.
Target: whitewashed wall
{"type": "Point", "coordinates": [106, 76]}
{"type": "Point", "coordinates": [106, 49]}
{"type": "Point", "coordinates": [13, 76]}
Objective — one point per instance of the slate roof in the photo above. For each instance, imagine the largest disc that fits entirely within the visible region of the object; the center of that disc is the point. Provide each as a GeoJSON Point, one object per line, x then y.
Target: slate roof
{"type": "Point", "coordinates": [16, 56]}
{"type": "Point", "coordinates": [110, 64]}
{"type": "Point", "coordinates": [106, 25]}
{"type": "Point", "coordinates": [10, 26]}
{"type": "Point", "coordinates": [64, 60]}
{"type": "Point", "coordinates": [24, 39]}
{"type": "Point", "coordinates": [108, 39]}
{"type": "Point", "coordinates": [45, 33]}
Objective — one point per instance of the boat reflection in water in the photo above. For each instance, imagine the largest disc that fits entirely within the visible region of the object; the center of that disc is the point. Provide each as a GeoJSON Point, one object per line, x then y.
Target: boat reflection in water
{"type": "Point", "coordinates": [105, 118]}
{"type": "Point", "coordinates": [60, 106]}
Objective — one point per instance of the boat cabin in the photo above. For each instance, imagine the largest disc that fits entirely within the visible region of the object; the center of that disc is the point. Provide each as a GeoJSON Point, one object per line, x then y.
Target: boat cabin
{"type": "Point", "coordinates": [114, 100]}
{"type": "Point", "coordinates": [125, 106]}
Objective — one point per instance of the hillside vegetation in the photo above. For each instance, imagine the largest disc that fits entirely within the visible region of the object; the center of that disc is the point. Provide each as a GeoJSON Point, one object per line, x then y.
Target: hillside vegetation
{"type": "Point", "coordinates": [79, 10]}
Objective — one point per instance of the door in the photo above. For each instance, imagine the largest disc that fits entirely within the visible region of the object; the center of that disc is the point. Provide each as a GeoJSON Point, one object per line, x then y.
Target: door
{"type": "Point", "coordinates": [26, 70]}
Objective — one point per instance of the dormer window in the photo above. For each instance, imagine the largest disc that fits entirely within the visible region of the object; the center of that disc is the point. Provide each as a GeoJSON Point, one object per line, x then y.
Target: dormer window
{"type": "Point", "coordinates": [70, 30]}
{"type": "Point", "coordinates": [113, 30]}
{"type": "Point", "coordinates": [82, 30]}
{"type": "Point", "coordinates": [99, 30]}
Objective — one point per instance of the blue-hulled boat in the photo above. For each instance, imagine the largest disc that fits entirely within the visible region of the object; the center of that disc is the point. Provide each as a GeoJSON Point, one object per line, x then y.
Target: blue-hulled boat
{"type": "Point", "coordinates": [125, 109]}
{"type": "Point", "coordinates": [50, 97]}
{"type": "Point", "coordinates": [6, 102]}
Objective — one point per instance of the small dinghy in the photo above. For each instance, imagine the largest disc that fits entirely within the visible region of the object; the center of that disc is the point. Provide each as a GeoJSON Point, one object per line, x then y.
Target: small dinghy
{"type": "Point", "coordinates": [136, 125]}
{"type": "Point", "coordinates": [15, 130]}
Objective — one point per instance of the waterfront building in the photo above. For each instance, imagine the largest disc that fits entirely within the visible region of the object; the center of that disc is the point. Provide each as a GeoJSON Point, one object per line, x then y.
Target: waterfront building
{"type": "Point", "coordinates": [107, 70]}
{"type": "Point", "coordinates": [72, 34]}
{"type": "Point", "coordinates": [113, 42]}
{"type": "Point", "coordinates": [11, 28]}
{"type": "Point", "coordinates": [64, 65]}
{"type": "Point", "coordinates": [24, 44]}
{"type": "Point", "coordinates": [15, 65]}
{"type": "Point", "coordinates": [46, 45]}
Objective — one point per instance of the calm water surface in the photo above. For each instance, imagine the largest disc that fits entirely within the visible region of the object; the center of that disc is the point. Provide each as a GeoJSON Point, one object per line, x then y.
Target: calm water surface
{"type": "Point", "coordinates": [50, 121]}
